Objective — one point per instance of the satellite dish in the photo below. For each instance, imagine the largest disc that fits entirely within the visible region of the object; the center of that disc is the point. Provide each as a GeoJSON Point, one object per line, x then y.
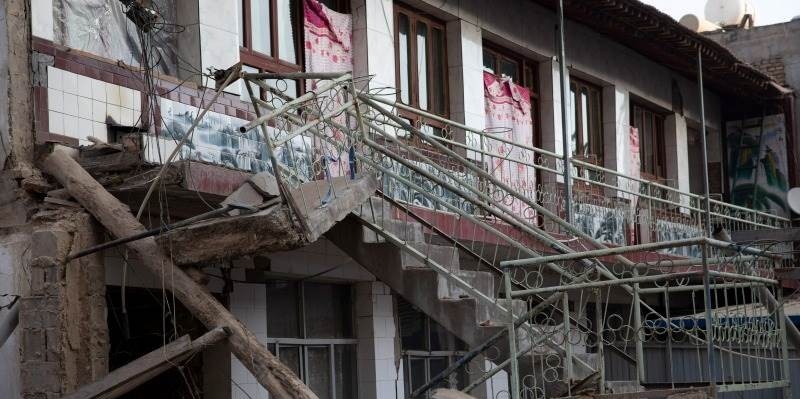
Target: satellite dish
{"type": "Point", "coordinates": [793, 198]}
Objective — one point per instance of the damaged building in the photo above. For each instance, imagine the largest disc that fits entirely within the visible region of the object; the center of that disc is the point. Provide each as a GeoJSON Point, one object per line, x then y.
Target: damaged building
{"type": "Point", "coordinates": [390, 199]}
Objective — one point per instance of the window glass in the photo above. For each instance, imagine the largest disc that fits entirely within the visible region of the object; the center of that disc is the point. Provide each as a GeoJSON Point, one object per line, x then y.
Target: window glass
{"type": "Point", "coordinates": [436, 365]}
{"type": "Point", "coordinates": [585, 121]}
{"type": "Point", "coordinates": [422, 64]}
{"type": "Point", "coordinates": [260, 26]}
{"type": "Point", "coordinates": [287, 20]}
{"type": "Point", "coordinates": [290, 356]}
{"type": "Point", "coordinates": [319, 371]}
{"type": "Point", "coordinates": [404, 50]}
{"type": "Point", "coordinates": [441, 339]}
{"type": "Point", "coordinates": [510, 69]}
{"type": "Point", "coordinates": [438, 79]}
{"type": "Point", "coordinates": [346, 385]}
{"type": "Point", "coordinates": [282, 309]}
{"type": "Point", "coordinates": [240, 11]}
{"type": "Point", "coordinates": [489, 61]}
{"type": "Point", "coordinates": [416, 372]}
{"type": "Point", "coordinates": [412, 326]}
{"type": "Point", "coordinates": [327, 311]}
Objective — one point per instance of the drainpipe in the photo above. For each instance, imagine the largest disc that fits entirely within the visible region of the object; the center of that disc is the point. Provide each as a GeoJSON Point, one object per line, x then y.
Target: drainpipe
{"type": "Point", "coordinates": [562, 66]}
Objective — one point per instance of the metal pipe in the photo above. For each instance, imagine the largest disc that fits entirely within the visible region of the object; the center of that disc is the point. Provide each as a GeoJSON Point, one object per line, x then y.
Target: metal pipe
{"type": "Point", "coordinates": [703, 140]}
{"type": "Point", "coordinates": [712, 370]}
{"type": "Point", "coordinates": [293, 75]}
{"type": "Point", "coordinates": [688, 288]}
{"type": "Point", "coordinates": [565, 136]}
{"type": "Point", "coordinates": [568, 373]}
{"type": "Point", "coordinates": [159, 230]}
{"type": "Point", "coordinates": [605, 283]}
{"type": "Point", "coordinates": [637, 325]}
{"type": "Point", "coordinates": [9, 323]}
{"type": "Point", "coordinates": [602, 252]}
{"type": "Point", "coordinates": [512, 338]}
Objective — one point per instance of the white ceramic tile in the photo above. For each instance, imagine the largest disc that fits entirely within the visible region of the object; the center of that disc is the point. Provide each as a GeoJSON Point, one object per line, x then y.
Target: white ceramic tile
{"type": "Point", "coordinates": [56, 122]}
{"type": "Point", "coordinates": [55, 78]}
{"type": "Point", "coordinates": [98, 90]}
{"type": "Point", "coordinates": [55, 100]}
{"type": "Point", "coordinates": [85, 107]}
{"type": "Point", "coordinates": [100, 131]}
{"type": "Point", "coordinates": [85, 127]}
{"type": "Point", "coordinates": [71, 126]}
{"type": "Point", "coordinates": [126, 117]}
{"type": "Point", "coordinates": [113, 112]}
{"type": "Point", "coordinates": [112, 94]}
{"type": "Point", "coordinates": [70, 104]}
{"type": "Point", "coordinates": [84, 86]}
{"type": "Point", "coordinates": [137, 100]}
{"type": "Point", "coordinates": [70, 82]}
{"type": "Point", "coordinates": [126, 97]}
{"type": "Point", "coordinates": [98, 111]}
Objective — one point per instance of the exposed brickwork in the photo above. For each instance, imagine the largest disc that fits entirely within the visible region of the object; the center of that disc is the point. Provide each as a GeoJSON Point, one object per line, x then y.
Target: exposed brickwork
{"type": "Point", "coordinates": [773, 67]}
{"type": "Point", "coordinates": [64, 337]}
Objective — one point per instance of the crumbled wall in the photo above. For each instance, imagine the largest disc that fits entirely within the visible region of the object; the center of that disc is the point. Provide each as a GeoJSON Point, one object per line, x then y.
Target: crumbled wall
{"type": "Point", "coordinates": [64, 337]}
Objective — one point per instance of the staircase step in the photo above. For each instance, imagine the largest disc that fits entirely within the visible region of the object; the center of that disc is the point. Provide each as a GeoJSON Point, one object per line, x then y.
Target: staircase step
{"type": "Point", "coordinates": [443, 255]}
{"type": "Point", "coordinates": [489, 315]}
{"type": "Point", "coordinates": [481, 281]}
{"type": "Point", "coordinates": [623, 386]}
{"type": "Point", "coordinates": [407, 231]}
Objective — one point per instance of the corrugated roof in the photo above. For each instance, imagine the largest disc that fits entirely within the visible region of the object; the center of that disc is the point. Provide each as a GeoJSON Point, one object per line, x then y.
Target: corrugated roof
{"type": "Point", "coordinates": [659, 37]}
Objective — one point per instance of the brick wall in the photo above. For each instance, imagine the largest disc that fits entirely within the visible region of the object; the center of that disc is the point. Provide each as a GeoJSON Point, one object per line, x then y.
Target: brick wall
{"type": "Point", "coordinates": [773, 67]}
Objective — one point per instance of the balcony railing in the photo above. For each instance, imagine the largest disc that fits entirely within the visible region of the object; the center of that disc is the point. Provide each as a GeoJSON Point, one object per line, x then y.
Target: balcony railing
{"type": "Point", "coordinates": [608, 205]}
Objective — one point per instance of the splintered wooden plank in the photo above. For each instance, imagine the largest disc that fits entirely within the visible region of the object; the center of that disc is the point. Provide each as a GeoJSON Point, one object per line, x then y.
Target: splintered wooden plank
{"type": "Point", "coordinates": [141, 370]}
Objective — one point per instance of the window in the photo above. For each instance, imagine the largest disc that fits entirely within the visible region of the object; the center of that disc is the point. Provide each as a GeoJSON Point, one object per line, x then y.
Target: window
{"type": "Point", "coordinates": [421, 61]}
{"type": "Point", "coordinates": [650, 124]}
{"type": "Point", "coordinates": [586, 121]}
{"type": "Point", "coordinates": [310, 329]}
{"type": "Point", "coordinates": [270, 34]}
{"type": "Point", "coordinates": [427, 349]}
{"type": "Point", "coordinates": [522, 71]}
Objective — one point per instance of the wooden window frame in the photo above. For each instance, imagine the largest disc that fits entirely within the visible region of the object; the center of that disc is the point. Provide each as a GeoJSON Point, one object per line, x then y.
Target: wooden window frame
{"type": "Point", "coordinates": [271, 62]}
{"type": "Point", "coordinates": [658, 149]}
{"type": "Point", "coordinates": [576, 85]}
{"type": "Point", "coordinates": [415, 16]}
{"type": "Point", "coordinates": [528, 70]}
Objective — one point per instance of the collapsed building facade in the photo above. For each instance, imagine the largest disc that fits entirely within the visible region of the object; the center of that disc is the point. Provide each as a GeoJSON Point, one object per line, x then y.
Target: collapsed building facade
{"type": "Point", "coordinates": [369, 198]}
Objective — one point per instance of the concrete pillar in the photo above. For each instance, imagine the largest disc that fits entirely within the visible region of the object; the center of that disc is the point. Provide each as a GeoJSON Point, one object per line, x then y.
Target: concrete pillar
{"type": "Point", "coordinates": [373, 41]}
{"type": "Point", "coordinates": [676, 150]}
{"type": "Point", "coordinates": [465, 72]}
{"type": "Point", "coordinates": [62, 322]}
{"type": "Point", "coordinates": [379, 367]}
{"type": "Point", "coordinates": [218, 23]}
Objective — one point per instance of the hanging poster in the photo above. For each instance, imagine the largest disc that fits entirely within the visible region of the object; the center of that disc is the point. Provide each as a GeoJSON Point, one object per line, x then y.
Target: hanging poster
{"type": "Point", "coordinates": [757, 163]}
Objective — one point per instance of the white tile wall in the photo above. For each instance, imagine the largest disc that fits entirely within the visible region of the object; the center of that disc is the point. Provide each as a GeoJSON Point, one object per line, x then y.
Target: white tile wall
{"type": "Point", "coordinates": [78, 106]}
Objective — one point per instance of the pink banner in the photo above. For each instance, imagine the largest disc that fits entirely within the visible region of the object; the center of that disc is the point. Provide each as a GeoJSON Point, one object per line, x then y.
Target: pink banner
{"type": "Point", "coordinates": [633, 170]}
{"type": "Point", "coordinates": [328, 38]}
{"type": "Point", "coordinates": [508, 117]}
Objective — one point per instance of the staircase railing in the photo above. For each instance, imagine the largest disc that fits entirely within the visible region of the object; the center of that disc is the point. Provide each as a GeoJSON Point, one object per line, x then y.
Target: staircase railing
{"type": "Point", "coordinates": [472, 196]}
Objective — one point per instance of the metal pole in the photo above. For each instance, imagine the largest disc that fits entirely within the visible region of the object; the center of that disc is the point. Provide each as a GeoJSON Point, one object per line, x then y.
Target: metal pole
{"type": "Point", "coordinates": [712, 370]}
{"type": "Point", "coordinates": [601, 361]}
{"type": "Point", "coordinates": [565, 137]}
{"type": "Point", "coordinates": [703, 142]}
{"type": "Point", "coordinates": [638, 331]}
{"type": "Point", "coordinates": [567, 344]}
{"type": "Point", "coordinates": [512, 338]}
{"type": "Point", "coordinates": [785, 369]}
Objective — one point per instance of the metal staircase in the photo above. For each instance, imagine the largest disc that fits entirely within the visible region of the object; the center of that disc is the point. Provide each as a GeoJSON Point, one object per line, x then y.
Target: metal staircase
{"type": "Point", "coordinates": [443, 222]}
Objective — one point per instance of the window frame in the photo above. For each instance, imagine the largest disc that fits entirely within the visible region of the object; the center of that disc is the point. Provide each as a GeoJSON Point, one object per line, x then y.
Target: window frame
{"type": "Point", "coordinates": [414, 16]}
{"type": "Point", "coordinates": [271, 62]}
{"type": "Point", "coordinates": [658, 150]}
{"type": "Point", "coordinates": [595, 155]}
{"type": "Point", "coordinates": [303, 343]}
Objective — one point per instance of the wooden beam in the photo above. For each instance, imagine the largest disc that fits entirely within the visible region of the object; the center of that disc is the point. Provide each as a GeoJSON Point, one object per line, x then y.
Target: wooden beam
{"type": "Point", "coordinates": [117, 218]}
{"type": "Point", "coordinates": [141, 370]}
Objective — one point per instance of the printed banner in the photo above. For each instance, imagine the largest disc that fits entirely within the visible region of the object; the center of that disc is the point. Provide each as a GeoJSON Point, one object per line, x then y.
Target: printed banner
{"type": "Point", "coordinates": [601, 223]}
{"type": "Point", "coordinates": [328, 38]}
{"type": "Point", "coordinates": [758, 164]}
{"type": "Point", "coordinates": [508, 117]}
